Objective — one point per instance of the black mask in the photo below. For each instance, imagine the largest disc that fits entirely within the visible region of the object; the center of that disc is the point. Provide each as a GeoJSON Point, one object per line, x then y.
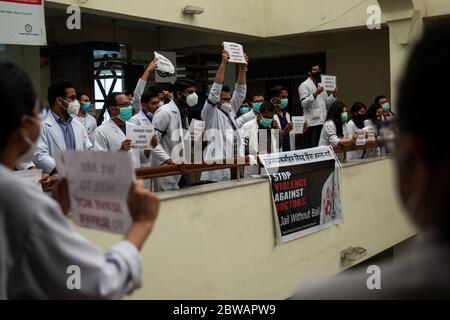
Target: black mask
{"type": "Point", "coordinates": [316, 76]}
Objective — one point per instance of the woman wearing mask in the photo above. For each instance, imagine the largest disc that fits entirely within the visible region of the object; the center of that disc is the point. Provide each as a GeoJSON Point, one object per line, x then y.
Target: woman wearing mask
{"type": "Point", "coordinates": [334, 130]}
{"type": "Point", "coordinates": [355, 124]}
{"type": "Point", "coordinates": [37, 243]}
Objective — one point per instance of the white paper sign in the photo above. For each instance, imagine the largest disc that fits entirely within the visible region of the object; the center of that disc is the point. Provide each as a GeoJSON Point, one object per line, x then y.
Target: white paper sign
{"type": "Point", "coordinates": [371, 135]}
{"type": "Point", "coordinates": [361, 140]}
{"type": "Point", "coordinates": [140, 136]}
{"type": "Point", "coordinates": [164, 64]}
{"type": "Point", "coordinates": [165, 77]}
{"type": "Point", "coordinates": [299, 124]}
{"type": "Point", "coordinates": [99, 183]}
{"type": "Point", "coordinates": [236, 52]}
{"type": "Point", "coordinates": [33, 176]}
{"type": "Point", "coordinates": [22, 22]}
{"type": "Point", "coordinates": [329, 82]}
{"type": "Point", "coordinates": [196, 129]}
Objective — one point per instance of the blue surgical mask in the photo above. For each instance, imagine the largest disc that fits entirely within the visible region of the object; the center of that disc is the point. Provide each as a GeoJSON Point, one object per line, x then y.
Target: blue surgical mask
{"type": "Point", "coordinates": [386, 106]}
{"type": "Point", "coordinates": [265, 123]}
{"type": "Point", "coordinates": [257, 106]}
{"type": "Point", "coordinates": [125, 113]}
{"type": "Point", "coordinates": [244, 110]}
{"type": "Point", "coordinates": [284, 103]}
{"type": "Point", "coordinates": [86, 106]}
{"type": "Point", "coordinates": [344, 116]}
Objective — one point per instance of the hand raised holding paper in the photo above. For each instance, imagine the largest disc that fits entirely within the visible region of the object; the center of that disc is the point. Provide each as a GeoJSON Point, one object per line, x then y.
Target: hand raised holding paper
{"type": "Point", "coordinates": [225, 56]}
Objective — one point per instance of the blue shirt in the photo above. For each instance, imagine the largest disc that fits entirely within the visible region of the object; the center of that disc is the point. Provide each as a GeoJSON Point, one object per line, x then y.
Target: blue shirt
{"type": "Point", "coordinates": [67, 131]}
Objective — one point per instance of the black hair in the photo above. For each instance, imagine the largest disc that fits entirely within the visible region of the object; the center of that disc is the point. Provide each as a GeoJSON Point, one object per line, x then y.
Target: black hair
{"type": "Point", "coordinates": [58, 89]}
{"type": "Point", "coordinates": [128, 93]}
{"type": "Point", "coordinates": [111, 101]}
{"type": "Point", "coordinates": [156, 89]}
{"type": "Point", "coordinates": [18, 93]}
{"type": "Point", "coordinates": [359, 122]}
{"type": "Point", "coordinates": [372, 113]}
{"type": "Point", "coordinates": [256, 94]}
{"type": "Point", "coordinates": [276, 91]}
{"type": "Point", "coordinates": [432, 52]}
{"type": "Point", "coordinates": [81, 94]}
{"type": "Point", "coordinates": [150, 94]}
{"type": "Point", "coordinates": [378, 98]}
{"type": "Point", "coordinates": [181, 85]}
{"type": "Point", "coordinates": [311, 65]}
{"type": "Point", "coordinates": [226, 89]}
{"type": "Point", "coordinates": [334, 114]}
{"type": "Point", "coordinates": [267, 106]}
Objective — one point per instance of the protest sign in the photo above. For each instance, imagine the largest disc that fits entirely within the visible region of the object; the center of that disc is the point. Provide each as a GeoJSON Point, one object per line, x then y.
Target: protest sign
{"type": "Point", "coordinates": [306, 188]}
{"type": "Point", "coordinates": [236, 52]}
{"type": "Point", "coordinates": [99, 183]}
{"type": "Point", "coordinates": [140, 136]}
{"type": "Point", "coordinates": [329, 82]}
{"type": "Point", "coordinates": [164, 64]}
{"type": "Point", "coordinates": [166, 70]}
{"type": "Point", "coordinates": [299, 124]}
{"type": "Point", "coordinates": [361, 139]}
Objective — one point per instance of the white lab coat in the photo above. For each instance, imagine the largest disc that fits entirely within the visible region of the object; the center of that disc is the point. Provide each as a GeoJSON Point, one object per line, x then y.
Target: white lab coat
{"type": "Point", "coordinates": [167, 122]}
{"type": "Point", "coordinates": [250, 133]}
{"type": "Point", "coordinates": [314, 109]}
{"type": "Point", "coordinates": [249, 116]}
{"type": "Point", "coordinates": [90, 124]}
{"type": "Point", "coordinates": [109, 137]}
{"type": "Point", "coordinates": [292, 135]}
{"type": "Point", "coordinates": [352, 155]}
{"type": "Point", "coordinates": [158, 156]}
{"type": "Point", "coordinates": [328, 135]}
{"type": "Point", "coordinates": [137, 94]}
{"type": "Point", "coordinates": [37, 246]}
{"type": "Point", "coordinates": [52, 141]}
{"type": "Point", "coordinates": [223, 134]}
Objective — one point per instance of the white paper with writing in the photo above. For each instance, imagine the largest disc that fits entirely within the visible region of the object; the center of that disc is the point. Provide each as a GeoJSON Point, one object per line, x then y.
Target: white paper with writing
{"type": "Point", "coordinates": [164, 64]}
{"type": "Point", "coordinates": [329, 82]}
{"type": "Point", "coordinates": [99, 183]}
{"type": "Point", "coordinates": [236, 52]}
{"type": "Point", "coordinates": [299, 124]}
{"type": "Point", "coordinates": [140, 136]}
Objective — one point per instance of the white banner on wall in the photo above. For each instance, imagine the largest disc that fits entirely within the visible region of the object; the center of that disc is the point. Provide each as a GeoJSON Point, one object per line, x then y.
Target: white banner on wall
{"type": "Point", "coordinates": [22, 22]}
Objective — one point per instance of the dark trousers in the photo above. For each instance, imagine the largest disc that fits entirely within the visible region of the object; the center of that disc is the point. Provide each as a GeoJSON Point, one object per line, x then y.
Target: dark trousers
{"type": "Point", "coordinates": [311, 138]}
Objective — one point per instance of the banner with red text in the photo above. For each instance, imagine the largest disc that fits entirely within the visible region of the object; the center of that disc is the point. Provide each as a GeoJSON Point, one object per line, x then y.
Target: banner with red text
{"type": "Point", "coordinates": [306, 190]}
{"type": "Point", "coordinates": [22, 22]}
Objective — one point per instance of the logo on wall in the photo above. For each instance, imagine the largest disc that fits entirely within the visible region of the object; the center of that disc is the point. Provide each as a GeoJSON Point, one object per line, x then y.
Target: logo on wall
{"type": "Point", "coordinates": [28, 28]}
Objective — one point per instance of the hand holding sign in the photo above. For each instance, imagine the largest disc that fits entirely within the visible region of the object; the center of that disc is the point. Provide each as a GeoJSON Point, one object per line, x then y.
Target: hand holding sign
{"type": "Point", "coordinates": [329, 82]}
{"type": "Point", "coordinates": [299, 124]}
{"type": "Point", "coordinates": [141, 137]}
{"type": "Point", "coordinates": [236, 52]}
{"type": "Point", "coordinates": [163, 64]}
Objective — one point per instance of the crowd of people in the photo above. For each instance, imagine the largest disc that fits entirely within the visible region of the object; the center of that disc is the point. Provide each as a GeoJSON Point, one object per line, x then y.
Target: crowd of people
{"type": "Point", "coordinates": [37, 243]}
{"type": "Point", "coordinates": [234, 125]}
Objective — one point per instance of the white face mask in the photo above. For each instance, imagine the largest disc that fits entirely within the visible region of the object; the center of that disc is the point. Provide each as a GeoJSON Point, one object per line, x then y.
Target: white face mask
{"type": "Point", "coordinates": [28, 156]}
{"type": "Point", "coordinates": [226, 107]}
{"type": "Point", "coordinates": [192, 99]}
{"type": "Point", "coordinates": [73, 108]}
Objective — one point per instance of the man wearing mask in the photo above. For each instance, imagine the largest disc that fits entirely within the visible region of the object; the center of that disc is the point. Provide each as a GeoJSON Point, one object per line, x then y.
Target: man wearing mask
{"type": "Point", "coordinates": [256, 100]}
{"type": "Point", "coordinates": [171, 122]}
{"type": "Point", "coordinates": [84, 117]}
{"type": "Point", "coordinates": [219, 114]}
{"type": "Point", "coordinates": [262, 127]}
{"type": "Point", "coordinates": [315, 103]}
{"type": "Point", "coordinates": [383, 102]}
{"type": "Point", "coordinates": [150, 103]}
{"type": "Point", "coordinates": [59, 130]}
{"type": "Point", "coordinates": [111, 136]}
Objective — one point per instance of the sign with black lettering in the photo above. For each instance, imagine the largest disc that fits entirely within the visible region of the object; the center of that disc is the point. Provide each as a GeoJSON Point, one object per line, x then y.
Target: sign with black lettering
{"type": "Point", "coordinates": [99, 183]}
{"type": "Point", "coordinates": [306, 188]}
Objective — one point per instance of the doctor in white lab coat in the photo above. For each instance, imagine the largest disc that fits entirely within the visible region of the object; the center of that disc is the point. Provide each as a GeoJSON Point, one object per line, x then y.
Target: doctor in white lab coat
{"type": "Point", "coordinates": [171, 123]}
{"type": "Point", "coordinates": [88, 121]}
{"type": "Point", "coordinates": [111, 136]}
{"type": "Point", "coordinates": [151, 101]}
{"type": "Point", "coordinates": [219, 114]}
{"type": "Point", "coordinates": [59, 130]}
{"type": "Point", "coordinates": [315, 103]}
{"type": "Point", "coordinates": [37, 243]}
{"type": "Point", "coordinates": [256, 100]}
